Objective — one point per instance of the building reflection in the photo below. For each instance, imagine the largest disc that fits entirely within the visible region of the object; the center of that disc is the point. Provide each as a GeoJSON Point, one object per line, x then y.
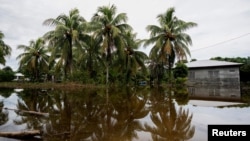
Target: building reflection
{"type": "Point", "coordinates": [216, 92]}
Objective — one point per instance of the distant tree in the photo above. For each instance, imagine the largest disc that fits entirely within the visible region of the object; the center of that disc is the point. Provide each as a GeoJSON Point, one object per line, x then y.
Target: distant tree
{"type": "Point", "coordinates": [181, 70]}
{"type": "Point", "coordinates": [7, 68]}
{"type": "Point", "coordinates": [6, 74]}
{"type": "Point", "coordinates": [242, 60]}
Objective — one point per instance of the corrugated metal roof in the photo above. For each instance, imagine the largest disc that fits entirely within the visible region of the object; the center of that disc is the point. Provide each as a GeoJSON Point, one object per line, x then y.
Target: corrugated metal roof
{"type": "Point", "coordinates": [19, 74]}
{"type": "Point", "coordinates": [210, 63]}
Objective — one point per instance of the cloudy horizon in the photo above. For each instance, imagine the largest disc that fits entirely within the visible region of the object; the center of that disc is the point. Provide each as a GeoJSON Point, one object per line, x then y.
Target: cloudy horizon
{"type": "Point", "coordinates": [223, 26]}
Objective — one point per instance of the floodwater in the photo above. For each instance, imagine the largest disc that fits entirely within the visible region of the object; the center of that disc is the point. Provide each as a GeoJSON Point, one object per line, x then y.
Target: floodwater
{"type": "Point", "coordinates": [124, 114]}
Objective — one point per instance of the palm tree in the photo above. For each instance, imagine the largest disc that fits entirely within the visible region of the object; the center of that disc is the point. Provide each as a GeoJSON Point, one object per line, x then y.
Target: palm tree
{"type": "Point", "coordinates": [64, 37]}
{"type": "Point", "coordinates": [35, 57]}
{"type": "Point", "coordinates": [89, 57]}
{"type": "Point", "coordinates": [110, 27]}
{"type": "Point", "coordinates": [5, 49]}
{"type": "Point", "coordinates": [134, 59]}
{"type": "Point", "coordinates": [169, 39]}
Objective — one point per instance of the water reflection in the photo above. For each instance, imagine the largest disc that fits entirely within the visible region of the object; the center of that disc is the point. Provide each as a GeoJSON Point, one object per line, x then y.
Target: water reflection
{"type": "Point", "coordinates": [216, 92]}
{"type": "Point", "coordinates": [127, 108]}
{"type": "Point", "coordinates": [123, 114]}
{"type": "Point", "coordinates": [3, 114]}
{"type": "Point", "coordinates": [170, 123]}
{"type": "Point", "coordinates": [181, 94]}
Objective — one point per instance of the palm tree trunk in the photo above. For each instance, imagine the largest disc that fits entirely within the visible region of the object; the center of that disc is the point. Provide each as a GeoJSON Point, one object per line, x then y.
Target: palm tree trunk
{"type": "Point", "coordinates": [108, 59]}
{"type": "Point", "coordinates": [107, 74]}
{"type": "Point", "coordinates": [170, 71]}
{"type": "Point", "coordinates": [68, 64]}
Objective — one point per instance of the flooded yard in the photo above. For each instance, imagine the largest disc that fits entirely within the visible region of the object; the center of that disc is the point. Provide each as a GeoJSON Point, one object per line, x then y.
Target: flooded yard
{"type": "Point", "coordinates": [124, 114]}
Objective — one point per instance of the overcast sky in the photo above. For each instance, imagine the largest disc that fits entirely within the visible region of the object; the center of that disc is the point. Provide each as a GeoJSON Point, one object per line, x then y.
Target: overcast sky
{"type": "Point", "coordinates": [223, 25]}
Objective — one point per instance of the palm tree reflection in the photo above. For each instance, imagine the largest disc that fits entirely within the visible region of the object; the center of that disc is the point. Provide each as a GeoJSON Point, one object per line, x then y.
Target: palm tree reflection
{"type": "Point", "coordinates": [104, 115]}
{"type": "Point", "coordinates": [30, 100]}
{"type": "Point", "coordinates": [120, 117]}
{"type": "Point", "coordinates": [3, 114]}
{"type": "Point", "coordinates": [170, 124]}
{"type": "Point", "coordinates": [74, 115]}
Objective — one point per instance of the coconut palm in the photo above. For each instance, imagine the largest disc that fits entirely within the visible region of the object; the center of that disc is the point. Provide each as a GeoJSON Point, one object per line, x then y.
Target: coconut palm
{"type": "Point", "coordinates": [110, 27]}
{"type": "Point", "coordinates": [169, 39]}
{"type": "Point", "coordinates": [5, 49]}
{"type": "Point", "coordinates": [35, 58]}
{"type": "Point", "coordinates": [88, 57]}
{"type": "Point", "coordinates": [134, 59]}
{"type": "Point", "coordinates": [64, 37]}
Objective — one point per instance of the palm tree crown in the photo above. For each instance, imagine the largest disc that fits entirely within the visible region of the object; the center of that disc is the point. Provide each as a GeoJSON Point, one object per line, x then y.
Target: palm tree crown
{"type": "Point", "coordinates": [35, 57]}
{"type": "Point", "coordinates": [5, 49]}
{"type": "Point", "coordinates": [65, 36]}
{"type": "Point", "coordinates": [111, 26]}
{"type": "Point", "coordinates": [169, 39]}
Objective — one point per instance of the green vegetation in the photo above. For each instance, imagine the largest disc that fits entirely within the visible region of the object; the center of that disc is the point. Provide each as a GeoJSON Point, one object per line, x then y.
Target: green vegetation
{"type": "Point", "coordinates": [6, 74]}
{"type": "Point", "coordinates": [181, 70]}
{"type": "Point", "coordinates": [5, 50]}
{"type": "Point", "coordinates": [103, 50]}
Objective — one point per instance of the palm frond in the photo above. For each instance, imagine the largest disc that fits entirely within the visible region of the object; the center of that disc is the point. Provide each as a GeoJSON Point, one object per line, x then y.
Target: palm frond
{"type": "Point", "coordinates": [154, 30]}
{"type": "Point", "coordinates": [51, 22]}
{"type": "Point", "coordinates": [120, 18]}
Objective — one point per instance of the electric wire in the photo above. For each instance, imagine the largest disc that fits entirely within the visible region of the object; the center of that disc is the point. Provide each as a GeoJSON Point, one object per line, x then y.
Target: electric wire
{"type": "Point", "coordinates": [219, 43]}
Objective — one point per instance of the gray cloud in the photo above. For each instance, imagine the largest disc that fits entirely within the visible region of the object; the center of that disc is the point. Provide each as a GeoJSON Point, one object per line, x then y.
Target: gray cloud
{"type": "Point", "coordinates": [21, 21]}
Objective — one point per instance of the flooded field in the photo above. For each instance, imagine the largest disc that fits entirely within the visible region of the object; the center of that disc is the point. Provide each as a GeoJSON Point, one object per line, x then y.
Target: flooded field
{"type": "Point", "coordinates": [124, 114]}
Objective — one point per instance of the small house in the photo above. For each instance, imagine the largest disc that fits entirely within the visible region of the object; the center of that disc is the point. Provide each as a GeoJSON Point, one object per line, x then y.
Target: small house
{"type": "Point", "coordinates": [19, 77]}
{"type": "Point", "coordinates": [212, 72]}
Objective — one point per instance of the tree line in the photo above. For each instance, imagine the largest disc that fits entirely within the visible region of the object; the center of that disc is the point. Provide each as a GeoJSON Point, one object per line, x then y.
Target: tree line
{"type": "Point", "coordinates": [103, 50]}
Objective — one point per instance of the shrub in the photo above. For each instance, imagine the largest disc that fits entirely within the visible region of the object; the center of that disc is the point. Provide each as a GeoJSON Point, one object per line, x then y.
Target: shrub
{"type": "Point", "coordinates": [6, 75]}
{"type": "Point", "coordinates": [181, 70]}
